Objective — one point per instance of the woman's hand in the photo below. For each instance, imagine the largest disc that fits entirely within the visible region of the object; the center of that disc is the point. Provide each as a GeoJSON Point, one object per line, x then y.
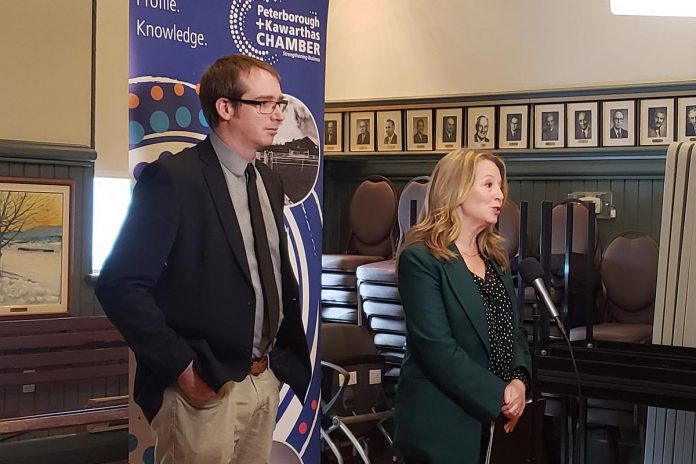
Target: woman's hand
{"type": "Point", "coordinates": [514, 398]}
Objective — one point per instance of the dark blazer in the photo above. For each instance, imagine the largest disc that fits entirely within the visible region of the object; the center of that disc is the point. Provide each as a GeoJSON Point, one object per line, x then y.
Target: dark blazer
{"type": "Point", "coordinates": [654, 132]}
{"type": "Point", "coordinates": [445, 391]}
{"type": "Point", "coordinates": [177, 284]}
{"type": "Point", "coordinates": [623, 134]}
{"type": "Point", "coordinates": [690, 129]}
{"type": "Point", "coordinates": [549, 134]}
{"type": "Point", "coordinates": [516, 137]}
{"type": "Point", "coordinates": [393, 140]}
{"type": "Point", "coordinates": [330, 139]}
{"type": "Point", "coordinates": [449, 136]}
{"type": "Point", "coordinates": [420, 138]}
{"type": "Point", "coordinates": [579, 135]}
{"type": "Point", "coordinates": [364, 139]}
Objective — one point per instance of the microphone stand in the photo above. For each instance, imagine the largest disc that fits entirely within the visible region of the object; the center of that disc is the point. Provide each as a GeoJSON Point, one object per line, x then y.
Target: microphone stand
{"type": "Point", "coordinates": [543, 331]}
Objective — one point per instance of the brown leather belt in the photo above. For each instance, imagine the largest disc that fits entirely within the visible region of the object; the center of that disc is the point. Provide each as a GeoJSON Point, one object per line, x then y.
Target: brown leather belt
{"type": "Point", "coordinates": [258, 365]}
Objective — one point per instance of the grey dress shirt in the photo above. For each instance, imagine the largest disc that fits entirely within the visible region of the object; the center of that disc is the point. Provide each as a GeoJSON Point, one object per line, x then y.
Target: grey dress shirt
{"type": "Point", "coordinates": [233, 167]}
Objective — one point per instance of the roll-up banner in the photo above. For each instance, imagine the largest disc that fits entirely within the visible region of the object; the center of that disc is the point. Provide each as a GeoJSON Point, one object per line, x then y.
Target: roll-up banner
{"type": "Point", "coordinates": [171, 44]}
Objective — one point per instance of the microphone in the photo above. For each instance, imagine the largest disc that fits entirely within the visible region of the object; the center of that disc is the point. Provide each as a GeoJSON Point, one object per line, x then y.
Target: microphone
{"type": "Point", "coordinates": [533, 274]}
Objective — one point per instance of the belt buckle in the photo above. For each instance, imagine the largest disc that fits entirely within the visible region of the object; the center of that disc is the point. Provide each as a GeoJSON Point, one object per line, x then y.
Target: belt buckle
{"type": "Point", "coordinates": [259, 365]}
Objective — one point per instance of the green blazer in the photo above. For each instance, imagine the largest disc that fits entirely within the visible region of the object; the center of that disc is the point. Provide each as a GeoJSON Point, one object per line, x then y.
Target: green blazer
{"type": "Point", "coordinates": [445, 390]}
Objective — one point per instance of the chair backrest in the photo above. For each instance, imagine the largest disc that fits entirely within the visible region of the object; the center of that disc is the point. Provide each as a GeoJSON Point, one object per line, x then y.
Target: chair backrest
{"type": "Point", "coordinates": [580, 221]}
{"type": "Point", "coordinates": [509, 227]}
{"type": "Point", "coordinates": [576, 269]}
{"type": "Point", "coordinates": [342, 342]}
{"type": "Point", "coordinates": [629, 275]}
{"type": "Point", "coordinates": [411, 203]}
{"type": "Point", "coordinates": [352, 348]}
{"type": "Point", "coordinates": [372, 218]}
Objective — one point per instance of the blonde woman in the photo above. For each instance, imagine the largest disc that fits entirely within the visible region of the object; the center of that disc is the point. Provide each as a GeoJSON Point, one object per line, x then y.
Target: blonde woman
{"type": "Point", "coordinates": [467, 359]}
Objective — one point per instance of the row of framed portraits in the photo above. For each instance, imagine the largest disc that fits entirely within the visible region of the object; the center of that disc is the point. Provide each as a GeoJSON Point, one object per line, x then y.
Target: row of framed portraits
{"type": "Point", "coordinates": [554, 125]}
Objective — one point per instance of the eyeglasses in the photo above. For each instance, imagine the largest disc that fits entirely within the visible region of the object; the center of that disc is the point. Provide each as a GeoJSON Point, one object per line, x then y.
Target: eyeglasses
{"type": "Point", "coordinates": [264, 106]}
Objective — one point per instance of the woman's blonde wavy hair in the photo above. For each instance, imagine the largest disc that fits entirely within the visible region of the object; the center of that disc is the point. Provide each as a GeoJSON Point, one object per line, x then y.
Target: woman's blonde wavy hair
{"type": "Point", "coordinates": [450, 184]}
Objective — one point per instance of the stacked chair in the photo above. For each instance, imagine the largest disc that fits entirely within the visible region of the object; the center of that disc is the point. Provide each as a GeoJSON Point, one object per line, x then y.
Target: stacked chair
{"type": "Point", "coordinates": [353, 397]}
{"type": "Point", "coordinates": [378, 297]}
{"type": "Point", "coordinates": [570, 261]}
{"type": "Point", "coordinates": [372, 219]}
{"type": "Point", "coordinates": [629, 283]}
{"type": "Point", "coordinates": [574, 264]}
{"type": "Point", "coordinates": [628, 275]}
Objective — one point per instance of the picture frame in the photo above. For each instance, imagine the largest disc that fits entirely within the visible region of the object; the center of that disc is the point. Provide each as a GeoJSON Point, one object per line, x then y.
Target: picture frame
{"type": "Point", "coordinates": [333, 141]}
{"type": "Point", "coordinates": [361, 131]}
{"type": "Point", "coordinates": [448, 128]}
{"type": "Point", "coordinates": [514, 127]}
{"type": "Point", "coordinates": [480, 127]}
{"type": "Point", "coordinates": [686, 119]}
{"type": "Point", "coordinates": [582, 124]}
{"type": "Point", "coordinates": [389, 130]}
{"type": "Point", "coordinates": [36, 253]}
{"type": "Point", "coordinates": [549, 125]}
{"type": "Point", "coordinates": [420, 136]}
{"type": "Point", "coordinates": [618, 123]}
{"type": "Point", "coordinates": [657, 121]}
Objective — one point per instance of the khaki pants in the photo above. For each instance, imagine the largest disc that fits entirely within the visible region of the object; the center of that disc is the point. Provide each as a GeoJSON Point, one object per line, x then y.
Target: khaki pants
{"type": "Point", "coordinates": [236, 427]}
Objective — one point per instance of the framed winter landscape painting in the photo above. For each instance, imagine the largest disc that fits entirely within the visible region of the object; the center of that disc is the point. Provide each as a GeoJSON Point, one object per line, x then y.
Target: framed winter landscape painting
{"type": "Point", "coordinates": [35, 218]}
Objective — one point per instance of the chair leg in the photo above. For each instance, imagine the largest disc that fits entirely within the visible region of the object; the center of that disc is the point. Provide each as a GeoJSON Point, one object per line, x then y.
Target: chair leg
{"type": "Point", "coordinates": [356, 444]}
{"type": "Point", "coordinates": [381, 428]}
{"type": "Point", "coordinates": [332, 446]}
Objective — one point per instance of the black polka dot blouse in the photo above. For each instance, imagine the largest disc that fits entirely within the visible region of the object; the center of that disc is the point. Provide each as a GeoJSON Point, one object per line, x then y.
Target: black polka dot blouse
{"type": "Point", "coordinates": [500, 319]}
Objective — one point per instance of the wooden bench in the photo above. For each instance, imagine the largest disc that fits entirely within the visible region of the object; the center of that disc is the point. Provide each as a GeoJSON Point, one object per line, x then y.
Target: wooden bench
{"type": "Point", "coordinates": [72, 351]}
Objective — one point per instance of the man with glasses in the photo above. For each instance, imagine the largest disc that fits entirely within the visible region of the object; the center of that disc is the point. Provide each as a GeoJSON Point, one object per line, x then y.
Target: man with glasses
{"type": "Point", "coordinates": [363, 132]}
{"type": "Point", "coordinates": [330, 133]}
{"type": "Point", "coordinates": [657, 122]}
{"type": "Point", "coordinates": [617, 120]}
{"type": "Point", "coordinates": [201, 285]}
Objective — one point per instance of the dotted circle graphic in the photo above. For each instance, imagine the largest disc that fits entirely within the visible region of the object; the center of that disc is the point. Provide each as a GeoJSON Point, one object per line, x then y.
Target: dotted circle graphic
{"type": "Point", "coordinates": [238, 16]}
{"type": "Point", "coordinates": [132, 442]}
{"type": "Point", "coordinates": [183, 116]}
{"type": "Point", "coordinates": [159, 121]}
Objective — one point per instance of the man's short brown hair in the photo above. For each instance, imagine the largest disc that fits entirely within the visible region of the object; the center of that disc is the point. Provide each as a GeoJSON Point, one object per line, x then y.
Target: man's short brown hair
{"type": "Point", "coordinates": [222, 80]}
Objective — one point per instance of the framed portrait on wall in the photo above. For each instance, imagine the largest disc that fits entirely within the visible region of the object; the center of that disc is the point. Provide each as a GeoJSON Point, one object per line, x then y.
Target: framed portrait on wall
{"type": "Point", "coordinates": [618, 123]}
{"type": "Point", "coordinates": [36, 216]}
{"type": "Point", "coordinates": [549, 126]}
{"type": "Point", "coordinates": [686, 127]}
{"type": "Point", "coordinates": [389, 133]}
{"type": "Point", "coordinates": [657, 121]}
{"type": "Point", "coordinates": [448, 128]}
{"type": "Point", "coordinates": [582, 124]}
{"type": "Point", "coordinates": [361, 133]}
{"type": "Point", "coordinates": [514, 127]}
{"type": "Point", "coordinates": [420, 126]}
{"type": "Point", "coordinates": [333, 131]}
{"type": "Point", "coordinates": [480, 127]}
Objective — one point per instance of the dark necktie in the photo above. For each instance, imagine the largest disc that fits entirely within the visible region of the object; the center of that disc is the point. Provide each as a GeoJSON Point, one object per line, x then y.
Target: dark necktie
{"type": "Point", "coordinates": [271, 303]}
